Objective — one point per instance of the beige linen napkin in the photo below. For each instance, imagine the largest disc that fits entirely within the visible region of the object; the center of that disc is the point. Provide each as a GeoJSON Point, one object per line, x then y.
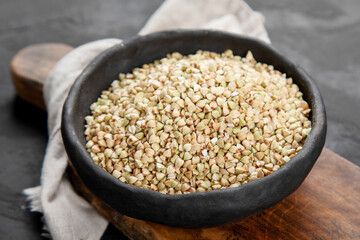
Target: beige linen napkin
{"type": "Point", "coordinates": [67, 215]}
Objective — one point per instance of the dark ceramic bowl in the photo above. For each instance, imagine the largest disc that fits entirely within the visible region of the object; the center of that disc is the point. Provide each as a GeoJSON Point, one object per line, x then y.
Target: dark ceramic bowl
{"type": "Point", "coordinates": [193, 210]}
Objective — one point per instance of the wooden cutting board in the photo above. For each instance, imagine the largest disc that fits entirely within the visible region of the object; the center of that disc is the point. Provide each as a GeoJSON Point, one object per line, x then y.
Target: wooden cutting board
{"type": "Point", "coordinates": [326, 206]}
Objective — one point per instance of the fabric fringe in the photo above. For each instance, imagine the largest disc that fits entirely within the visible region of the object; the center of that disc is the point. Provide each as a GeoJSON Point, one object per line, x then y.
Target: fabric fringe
{"type": "Point", "coordinates": [33, 197]}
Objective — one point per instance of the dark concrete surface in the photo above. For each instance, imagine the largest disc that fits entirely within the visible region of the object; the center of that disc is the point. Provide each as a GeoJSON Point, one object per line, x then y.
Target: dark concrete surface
{"type": "Point", "coordinates": [321, 35]}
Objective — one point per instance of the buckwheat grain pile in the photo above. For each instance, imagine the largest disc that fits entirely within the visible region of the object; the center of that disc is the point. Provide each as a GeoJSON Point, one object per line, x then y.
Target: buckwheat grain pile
{"type": "Point", "coordinates": [196, 123]}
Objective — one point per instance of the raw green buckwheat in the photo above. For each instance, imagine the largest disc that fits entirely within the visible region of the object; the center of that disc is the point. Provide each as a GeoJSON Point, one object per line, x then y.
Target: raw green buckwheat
{"type": "Point", "coordinates": [196, 123]}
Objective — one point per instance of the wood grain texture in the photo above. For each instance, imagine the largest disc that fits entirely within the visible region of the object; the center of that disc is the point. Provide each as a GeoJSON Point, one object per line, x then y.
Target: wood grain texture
{"type": "Point", "coordinates": [326, 206]}
{"type": "Point", "coordinates": [31, 66]}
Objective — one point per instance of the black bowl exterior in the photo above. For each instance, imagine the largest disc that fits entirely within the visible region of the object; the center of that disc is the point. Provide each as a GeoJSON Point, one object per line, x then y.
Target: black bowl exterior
{"type": "Point", "coordinates": [194, 210]}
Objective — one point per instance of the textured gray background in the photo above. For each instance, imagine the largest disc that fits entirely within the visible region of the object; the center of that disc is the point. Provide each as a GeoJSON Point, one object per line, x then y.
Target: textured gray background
{"type": "Point", "coordinates": [320, 35]}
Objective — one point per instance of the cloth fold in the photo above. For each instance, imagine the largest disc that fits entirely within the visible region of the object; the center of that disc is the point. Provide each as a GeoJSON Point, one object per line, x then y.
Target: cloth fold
{"type": "Point", "coordinates": [67, 215]}
{"type": "Point", "coordinates": [226, 15]}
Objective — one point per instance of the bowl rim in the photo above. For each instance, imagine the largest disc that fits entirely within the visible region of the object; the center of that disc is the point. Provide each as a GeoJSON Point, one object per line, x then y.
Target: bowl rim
{"type": "Point", "coordinates": [71, 140]}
